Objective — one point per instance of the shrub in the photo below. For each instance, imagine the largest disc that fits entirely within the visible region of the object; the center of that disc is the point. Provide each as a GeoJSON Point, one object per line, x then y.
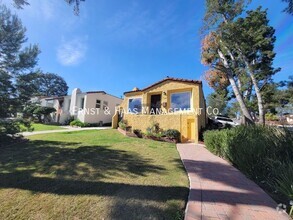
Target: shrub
{"type": "Point", "coordinates": [172, 134]}
{"type": "Point", "coordinates": [8, 129]}
{"type": "Point", "coordinates": [68, 120]}
{"type": "Point", "coordinates": [138, 133]}
{"type": "Point", "coordinates": [283, 181]}
{"type": "Point", "coordinates": [123, 124]}
{"type": "Point", "coordinates": [79, 123]}
{"type": "Point", "coordinates": [271, 117]}
{"type": "Point", "coordinates": [259, 152]}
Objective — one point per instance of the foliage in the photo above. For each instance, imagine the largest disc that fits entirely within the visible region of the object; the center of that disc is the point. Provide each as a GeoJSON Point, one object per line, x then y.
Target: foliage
{"type": "Point", "coordinates": [217, 101]}
{"type": "Point", "coordinates": [271, 117]}
{"type": "Point", "coordinates": [283, 181]}
{"type": "Point", "coordinates": [261, 152]}
{"type": "Point", "coordinates": [138, 133]}
{"type": "Point", "coordinates": [15, 59]}
{"type": "Point", "coordinates": [154, 128]}
{"type": "Point", "coordinates": [8, 129]}
{"type": "Point", "coordinates": [123, 124]}
{"type": "Point", "coordinates": [239, 50]}
{"type": "Point", "coordinates": [19, 4]}
{"type": "Point", "coordinates": [172, 134]}
{"type": "Point", "coordinates": [41, 113]}
{"type": "Point", "coordinates": [79, 123]}
{"type": "Point", "coordinates": [40, 84]}
{"type": "Point", "coordinates": [19, 79]}
{"type": "Point", "coordinates": [289, 8]}
{"type": "Point", "coordinates": [68, 120]}
{"type": "Point", "coordinates": [50, 84]}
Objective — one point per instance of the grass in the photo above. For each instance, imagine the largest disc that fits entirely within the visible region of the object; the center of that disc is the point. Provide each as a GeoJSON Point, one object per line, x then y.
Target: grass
{"type": "Point", "coordinates": [44, 127]}
{"type": "Point", "coordinates": [91, 175]}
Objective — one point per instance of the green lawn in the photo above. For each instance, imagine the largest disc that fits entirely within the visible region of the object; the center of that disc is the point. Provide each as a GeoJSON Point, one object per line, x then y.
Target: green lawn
{"type": "Point", "coordinates": [91, 175]}
{"type": "Point", "coordinates": [43, 127]}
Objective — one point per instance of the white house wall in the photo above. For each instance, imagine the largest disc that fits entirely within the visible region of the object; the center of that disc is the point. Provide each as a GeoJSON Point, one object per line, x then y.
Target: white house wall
{"type": "Point", "coordinates": [104, 116]}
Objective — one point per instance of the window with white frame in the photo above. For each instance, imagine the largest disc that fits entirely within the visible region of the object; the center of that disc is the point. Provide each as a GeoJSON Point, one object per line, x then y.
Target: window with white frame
{"type": "Point", "coordinates": [181, 101]}
{"type": "Point", "coordinates": [135, 105]}
{"type": "Point", "coordinates": [98, 104]}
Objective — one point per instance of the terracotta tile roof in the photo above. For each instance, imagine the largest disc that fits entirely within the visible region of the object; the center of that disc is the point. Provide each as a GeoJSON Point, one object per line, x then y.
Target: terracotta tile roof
{"type": "Point", "coordinates": [167, 79]}
{"type": "Point", "coordinates": [90, 92]}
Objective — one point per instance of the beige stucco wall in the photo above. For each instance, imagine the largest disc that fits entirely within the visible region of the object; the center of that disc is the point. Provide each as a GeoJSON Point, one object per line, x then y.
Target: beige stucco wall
{"type": "Point", "coordinates": [177, 120]}
{"type": "Point", "coordinates": [104, 116]}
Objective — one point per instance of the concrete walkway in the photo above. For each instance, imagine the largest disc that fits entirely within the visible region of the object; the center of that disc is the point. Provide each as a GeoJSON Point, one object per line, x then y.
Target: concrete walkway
{"type": "Point", "coordinates": [220, 191]}
{"type": "Point", "coordinates": [67, 129]}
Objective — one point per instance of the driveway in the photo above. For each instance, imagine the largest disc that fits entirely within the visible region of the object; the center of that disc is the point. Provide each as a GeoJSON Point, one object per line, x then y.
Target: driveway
{"type": "Point", "coordinates": [220, 191]}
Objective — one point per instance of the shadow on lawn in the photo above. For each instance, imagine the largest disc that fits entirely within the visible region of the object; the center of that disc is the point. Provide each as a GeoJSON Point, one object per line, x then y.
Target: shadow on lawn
{"type": "Point", "coordinates": [53, 167]}
{"type": "Point", "coordinates": [87, 162]}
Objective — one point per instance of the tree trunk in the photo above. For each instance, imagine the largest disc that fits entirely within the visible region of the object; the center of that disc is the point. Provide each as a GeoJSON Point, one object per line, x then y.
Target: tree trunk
{"type": "Point", "coordinates": [256, 88]}
{"type": "Point", "coordinates": [257, 92]}
{"type": "Point", "coordinates": [245, 112]}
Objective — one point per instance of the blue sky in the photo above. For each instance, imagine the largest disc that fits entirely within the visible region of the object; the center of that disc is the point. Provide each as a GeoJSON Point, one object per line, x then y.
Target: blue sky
{"type": "Point", "coordinates": [117, 45]}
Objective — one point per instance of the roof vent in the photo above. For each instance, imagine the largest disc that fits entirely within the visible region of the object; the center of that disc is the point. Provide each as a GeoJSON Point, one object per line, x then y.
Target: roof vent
{"type": "Point", "coordinates": [135, 89]}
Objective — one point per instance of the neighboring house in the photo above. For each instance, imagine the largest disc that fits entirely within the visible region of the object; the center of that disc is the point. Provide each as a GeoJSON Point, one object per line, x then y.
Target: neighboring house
{"type": "Point", "coordinates": [173, 103]}
{"type": "Point", "coordinates": [95, 107]}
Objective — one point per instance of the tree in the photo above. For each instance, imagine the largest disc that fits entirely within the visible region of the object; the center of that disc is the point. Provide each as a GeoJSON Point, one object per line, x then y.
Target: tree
{"type": "Point", "coordinates": [40, 112]}
{"type": "Point", "coordinates": [289, 8]}
{"type": "Point", "coordinates": [215, 100]}
{"type": "Point", "coordinates": [38, 84]}
{"type": "Point", "coordinates": [213, 56]}
{"type": "Point", "coordinates": [52, 85]}
{"type": "Point", "coordinates": [251, 40]}
{"type": "Point", "coordinates": [15, 59]}
{"type": "Point", "coordinates": [20, 4]}
{"type": "Point", "coordinates": [243, 49]}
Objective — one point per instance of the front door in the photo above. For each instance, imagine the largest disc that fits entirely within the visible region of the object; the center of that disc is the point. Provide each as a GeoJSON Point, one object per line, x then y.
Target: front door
{"type": "Point", "coordinates": [155, 104]}
{"type": "Point", "coordinates": [191, 129]}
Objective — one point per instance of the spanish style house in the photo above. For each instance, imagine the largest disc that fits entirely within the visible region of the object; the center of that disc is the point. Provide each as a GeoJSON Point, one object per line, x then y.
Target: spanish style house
{"type": "Point", "coordinates": [94, 107]}
{"type": "Point", "coordinates": [173, 103]}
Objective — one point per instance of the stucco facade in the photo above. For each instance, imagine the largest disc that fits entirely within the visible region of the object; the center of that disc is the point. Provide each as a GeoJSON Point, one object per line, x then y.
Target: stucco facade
{"type": "Point", "coordinates": [188, 121]}
{"type": "Point", "coordinates": [83, 106]}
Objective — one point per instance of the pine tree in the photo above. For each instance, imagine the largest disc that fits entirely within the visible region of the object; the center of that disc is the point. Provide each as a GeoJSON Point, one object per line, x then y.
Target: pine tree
{"type": "Point", "coordinates": [15, 59]}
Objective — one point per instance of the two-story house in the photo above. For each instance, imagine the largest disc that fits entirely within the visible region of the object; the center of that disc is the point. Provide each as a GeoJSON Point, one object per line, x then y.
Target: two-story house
{"type": "Point", "coordinates": [94, 107]}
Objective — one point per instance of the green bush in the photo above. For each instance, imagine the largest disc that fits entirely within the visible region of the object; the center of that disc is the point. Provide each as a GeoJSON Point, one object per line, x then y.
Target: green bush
{"type": "Point", "coordinates": [123, 124]}
{"type": "Point", "coordinates": [259, 152]}
{"type": "Point", "coordinates": [271, 117]}
{"type": "Point", "coordinates": [172, 134]}
{"type": "Point", "coordinates": [9, 129]}
{"type": "Point", "coordinates": [79, 123]}
{"type": "Point", "coordinates": [283, 181]}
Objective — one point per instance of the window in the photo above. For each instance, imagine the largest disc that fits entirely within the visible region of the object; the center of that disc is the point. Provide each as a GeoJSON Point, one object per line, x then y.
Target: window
{"type": "Point", "coordinates": [82, 103]}
{"type": "Point", "coordinates": [134, 105]}
{"type": "Point", "coordinates": [69, 103]}
{"type": "Point", "coordinates": [180, 101]}
{"type": "Point", "coordinates": [98, 103]}
{"type": "Point", "coordinates": [105, 105]}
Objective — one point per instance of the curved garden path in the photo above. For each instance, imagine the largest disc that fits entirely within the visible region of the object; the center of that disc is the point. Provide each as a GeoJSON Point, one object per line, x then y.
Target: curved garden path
{"type": "Point", "coordinates": [220, 191]}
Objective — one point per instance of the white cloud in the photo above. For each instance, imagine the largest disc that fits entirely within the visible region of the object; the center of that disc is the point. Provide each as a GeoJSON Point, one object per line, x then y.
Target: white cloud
{"type": "Point", "coordinates": [72, 52]}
